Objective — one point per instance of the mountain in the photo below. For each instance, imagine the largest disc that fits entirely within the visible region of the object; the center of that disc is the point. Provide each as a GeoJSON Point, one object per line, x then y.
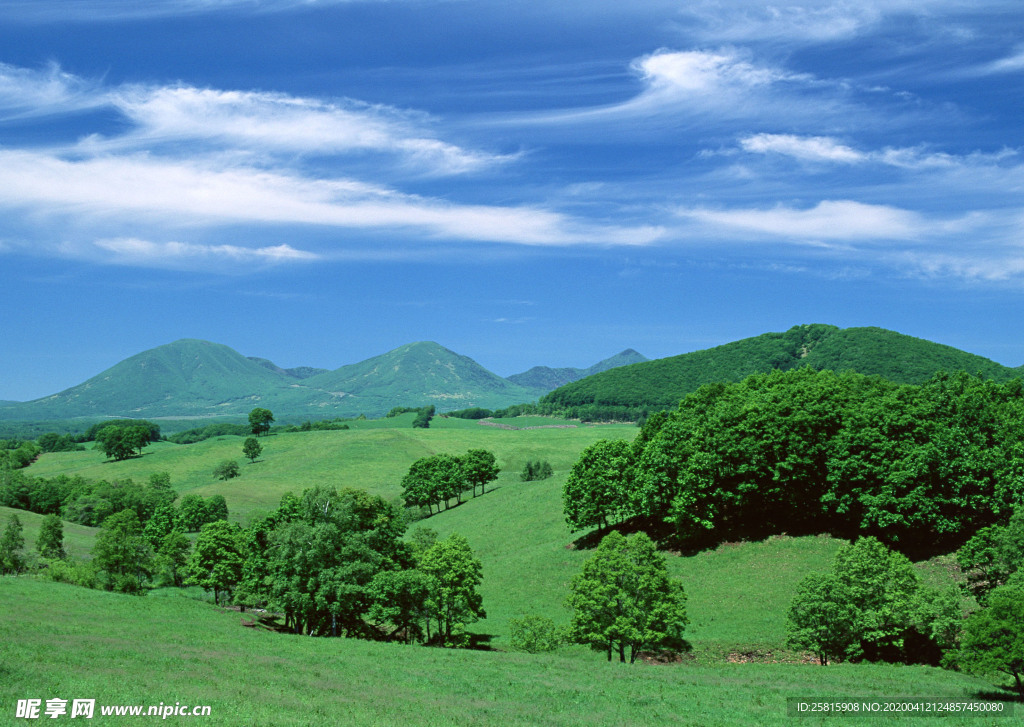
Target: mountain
{"type": "Point", "coordinates": [547, 378]}
{"type": "Point", "coordinates": [299, 372]}
{"type": "Point", "coordinates": [185, 378]}
{"type": "Point", "coordinates": [663, 382]}
{"type": "Point", "coordinates": [415, 374]}
{"type": "Point", "coordinates": [194, 378]}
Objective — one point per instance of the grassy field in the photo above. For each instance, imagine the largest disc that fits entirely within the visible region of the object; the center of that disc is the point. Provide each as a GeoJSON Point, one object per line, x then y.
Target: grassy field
{"type": "Point", "coordinates": [372, 457]}
{"type": "Point", "coordinates": [179, 649]}
{"type": "Point", "coordinates": [58, 641]}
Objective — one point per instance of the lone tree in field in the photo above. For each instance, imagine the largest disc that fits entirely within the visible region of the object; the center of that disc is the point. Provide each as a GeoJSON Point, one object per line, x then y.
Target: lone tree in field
{"type": "Point", "coordinates": [227, 469]}
{"type": "Point", "coordinates": [50, 542]}
{"type": "Point", "coordinates": [624, 597]}
{"type": "Point", "coordinates": [821, 618]}
{"type": "Point", "coordinates": [252, 448]}
{"type": "Point", "coordinates": [993, 638]}
{"type": "Point", "coordinates": [260, 421]}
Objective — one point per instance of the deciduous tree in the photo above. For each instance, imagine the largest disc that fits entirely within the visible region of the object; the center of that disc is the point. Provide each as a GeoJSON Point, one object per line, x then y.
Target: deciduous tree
{"type": "Point", "coordinates": [456, 574]}
{"type": "Point", "coordinates": [260, 420]}
{"type": "Point", "coordinates": [50, 542]}
{"type": "Point", "coordinates": [993, 638]}
{"type": "Point", "coordinates": [216, 560]}
{"type": "Point", "coordinates": [252, 448]}
{"type": "Point", "coordinates": [624, 598]}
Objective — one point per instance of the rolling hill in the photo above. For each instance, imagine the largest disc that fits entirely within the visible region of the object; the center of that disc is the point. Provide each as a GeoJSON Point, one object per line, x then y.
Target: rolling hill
{"type": "Point", "coordinates": [663, 382]}
{"type": "Point", "coordinates": [547, 378]}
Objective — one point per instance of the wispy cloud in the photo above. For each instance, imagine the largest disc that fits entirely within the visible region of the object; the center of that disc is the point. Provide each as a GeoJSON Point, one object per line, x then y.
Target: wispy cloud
{"type": "Point", "coordinates": [133, 251]}
{"type": "Point", "coordinates": [27, 92]}
{"type": "Point", "coordinates": [830, 220]}
{"type": "Point", "coordinates": [107, 10]}
{"type": "Point", "coordinates": [279, 122]}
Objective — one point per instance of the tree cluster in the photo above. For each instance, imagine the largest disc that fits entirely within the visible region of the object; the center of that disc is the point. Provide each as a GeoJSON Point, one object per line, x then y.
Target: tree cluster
{"type": "Point", "coordinates": [438, 478]}
{"type": "Point", "coordinates": [334, 563]}
{"type": "Point", "coordinates": [536, 470]}
{"type": "Point", "coordinates": [919, 467]}
{"type": "Point", "coordinates": [122, 441]}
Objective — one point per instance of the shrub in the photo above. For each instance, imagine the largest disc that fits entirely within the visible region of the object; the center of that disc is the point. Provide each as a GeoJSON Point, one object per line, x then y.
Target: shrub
{"type": "Point", "coordinates": [534, 634]}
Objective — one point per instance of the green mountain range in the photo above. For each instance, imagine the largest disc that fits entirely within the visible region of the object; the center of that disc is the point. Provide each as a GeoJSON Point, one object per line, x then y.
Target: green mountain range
{"type": "Point", "coordinates": [194, 379]}
{"type": "Point", "coordinates": [547, 378]}
{"type": "Point", "coordinates": [663, 382]}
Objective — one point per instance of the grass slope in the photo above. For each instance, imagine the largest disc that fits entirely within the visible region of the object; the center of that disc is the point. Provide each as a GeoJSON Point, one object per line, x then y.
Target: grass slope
{"type": "Point", "coordinates": [78, 539]}
{"type": "Point", "coordinates": [665, 381]}
{"type": "Point", "coordinates": [61, 641]}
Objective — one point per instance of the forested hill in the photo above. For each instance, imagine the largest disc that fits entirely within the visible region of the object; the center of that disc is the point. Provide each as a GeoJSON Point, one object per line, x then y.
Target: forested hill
{"type": "Point", "coordinates": [663, 382]}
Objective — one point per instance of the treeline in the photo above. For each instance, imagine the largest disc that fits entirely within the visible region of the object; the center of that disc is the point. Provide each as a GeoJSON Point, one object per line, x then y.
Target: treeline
{"type": "Point", "coordinates": [131, 435]}
{"type": "Point", "coordinates": [438, 478]}
{"type": "Point", "coordinates": [423, 414]}
{"type": "Point", "coordinates": [919, 467]}
{"type": "Point", "coordinates": [584, 413]}
{"type": "Point", "coordinates": [91, 503]}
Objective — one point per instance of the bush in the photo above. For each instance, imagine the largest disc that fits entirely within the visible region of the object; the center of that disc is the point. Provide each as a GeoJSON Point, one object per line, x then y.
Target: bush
{"type": "Point", "coordinates": [534, 634]}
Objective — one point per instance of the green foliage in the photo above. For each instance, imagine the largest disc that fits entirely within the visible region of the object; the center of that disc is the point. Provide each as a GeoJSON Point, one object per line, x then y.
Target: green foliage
{"type": "Point", "coordinates": [432, 480]}
{"type": "Point", "coordinates": [598, 489]}
{"type": "Point", "coordinates": [473, 412]}
{"type": "Point", "coordinates": [534, 634]}
{"type": "Point", "coordinates": [18, 454]}
{"type": "Point", "coordinates": [921, 467]}
{"type": "Point", "coordinates": [172, 553]}
{"type": "Point", "coordinates": [400, 602]}
{"type": "Point", "coordinates": [479, 467]}
{"type": "Point", "coordinates": [260, 420]}
{"type": "Point", "coordinates": [120, 441]}
{"type": "Point", "coordinates": [191, 436]}
{"type": "Point", "coordinates": [535, 470]}
{"type": "Point", "coordinates": [993, 638]}
{"type": "Point", "coordinates": [50, 542]}
{"type": "Point", "coordinates": [153, 430]}
{"type": "Point", "coordinates": [226, 469]}
{"type": "Point", "coordinates": [54, 442]}
{"type": "Point", "coordinates": [12, 547]}
{"type": "Point", "coordinates": [624, 598]}
{"type": "Point", "coordinates": [251, 448]}
{"type": "Point", "coordinates": [454, 574]}
{"type": "Point", "coordinates": [992, 556]}
{"type": "Point", "coordinates": [122, 554]}
{"type": "Point", "coordinates": [216, 560]}
{"type": "Point", "coordinates": [873, 605]}
{"type": "Point", "coordinates": [422, 420]}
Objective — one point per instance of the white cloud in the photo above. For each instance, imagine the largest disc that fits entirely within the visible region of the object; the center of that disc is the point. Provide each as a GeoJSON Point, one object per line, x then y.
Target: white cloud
{"type": "Point", "coordinates": [805, 22]}
{"type": "Point", "coordinates": [278, 122]}
{"type": "Point", "coordinates": [839, 220]}
{"type": "Point", "coordinates": [133, 251]}
{"type": "Point", "coordinates": [30, 92]}
{"type": "Point", "coordinates": [192, 193]}
{"type": "Point", "coordinates": [807, 148]}
{"type": "Point", "coordinates": [1011, 64]}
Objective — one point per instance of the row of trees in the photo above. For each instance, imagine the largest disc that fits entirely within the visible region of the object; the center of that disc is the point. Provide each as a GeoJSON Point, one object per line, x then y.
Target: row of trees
{"type": "Point", "coordinates": [438, 478]}
{"type": "Point", "coordinates": [919, 467]}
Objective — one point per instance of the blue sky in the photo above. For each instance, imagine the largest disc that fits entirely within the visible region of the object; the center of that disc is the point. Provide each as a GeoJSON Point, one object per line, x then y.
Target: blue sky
{"type": "Point", "coordinates": [526, 183]}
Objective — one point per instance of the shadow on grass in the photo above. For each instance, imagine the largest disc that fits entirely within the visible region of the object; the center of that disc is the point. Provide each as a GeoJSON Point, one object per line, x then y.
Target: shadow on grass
{"type": "Point", "coordinates": [1004, 695]}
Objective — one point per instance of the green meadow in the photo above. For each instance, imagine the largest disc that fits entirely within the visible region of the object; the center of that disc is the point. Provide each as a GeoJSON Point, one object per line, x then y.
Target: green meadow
{"type": "Point", "coordinates": [62, 641]}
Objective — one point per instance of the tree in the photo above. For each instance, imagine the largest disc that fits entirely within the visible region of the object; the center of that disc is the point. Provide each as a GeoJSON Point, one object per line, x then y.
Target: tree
{"type": "Point", "coordinates": [821, 618]}
{"type": "Point", "coordinates": [597, 490]}
{"type": "Point", "coordinates": [993, 638]}
{"type": "Point", "coordinates": [400, 599]}
{"type": "Point", "coordinates": [455, 573]}
{"type": "Point", "coordinates": [479, 467]}
{"type": "Point", "coordinates": [624, 597]}
{"type": "Point", "coordinates": [260, 421]}
{"type": "Point", "coordinates": [12, 546]}
{"type": "Point", "coordinates": [423, 417]}
{"type": "Point", "coordinates": [171, 557]}
{"type": "Point", "coordinates": [216, 560]}
{"type": "Point", "coordinates": [251, 448]}
{"type": "Point", "coordinates": [122, 552]}
{"type": "Point", "coordinates": [226, 469]}
{"type": "Point", "coordinates": [216, 508]}
{"type": "Point", "coordinates": [191, 513]}
{"type": "Point", "coordinates": [50, 542]}
{"type": "Point", "coordinates": [993, 555]}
